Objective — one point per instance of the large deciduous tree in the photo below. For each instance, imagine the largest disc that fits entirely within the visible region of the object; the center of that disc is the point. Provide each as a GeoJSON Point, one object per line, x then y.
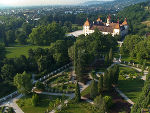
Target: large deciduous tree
{"type": "Point", "coordinates": [45, 35]}
{"type": "Point", "coordinates": [23, 83]}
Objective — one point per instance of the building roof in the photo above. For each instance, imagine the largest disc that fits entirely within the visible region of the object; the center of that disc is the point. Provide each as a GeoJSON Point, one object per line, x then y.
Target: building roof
{"type": "Point", "coordinates": [109, 17]}
{"type": "Point", "coordinates": [113, 25]}
{"type": "Point", "coordinates": [103, 28]}
{"type": "Point", "coordinates": [99, 19]}
{"type": "Point", "coordinates": [125, 22]}
{"type": "Point", "coordinates": [117, 26]}
{"type": "Point", "coordinates": [87, 23]}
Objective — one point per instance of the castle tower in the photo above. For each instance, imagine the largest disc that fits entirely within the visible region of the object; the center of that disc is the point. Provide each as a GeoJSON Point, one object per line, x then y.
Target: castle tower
{"type": "Point", "coordinates": [86, 27]}
{"type": "Point", "coordinates": [126, 26]}
{"type": "Point", "coordinates": [116, 30]}
{"type": "Point", "coordinates": [108, 20]}
{"type": "Point", "coordinates": [99, 20]}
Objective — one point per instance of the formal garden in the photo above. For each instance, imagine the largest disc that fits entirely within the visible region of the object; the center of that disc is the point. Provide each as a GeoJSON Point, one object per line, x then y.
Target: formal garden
{"type": "Point", "coordinates": [82, 107]}
{"type": "Point", "coordinates": [130, 82]}
{"type": "Point", "coordinates": [40, 103]}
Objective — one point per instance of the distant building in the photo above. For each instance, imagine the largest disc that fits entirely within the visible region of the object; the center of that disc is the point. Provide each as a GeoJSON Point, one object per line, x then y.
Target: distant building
{"type": "Point", "coordinates": [106, 28]}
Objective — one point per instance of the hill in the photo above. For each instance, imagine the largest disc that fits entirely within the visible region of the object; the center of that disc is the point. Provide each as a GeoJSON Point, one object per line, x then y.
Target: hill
{"type": "Point", "coordinates": [113, 4]}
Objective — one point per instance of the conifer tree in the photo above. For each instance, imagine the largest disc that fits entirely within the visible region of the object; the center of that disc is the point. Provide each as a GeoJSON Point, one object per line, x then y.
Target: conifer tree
{"type": "Point", "coordinates": [116, 74]}
{"type": "Point", "coordinates": [77, 93]}
{"type": "Point", "coordinates": [100, 84]}
{"type": "Point", "coordinates": [93, 90]}
{"type": "Point", "coordinates": [110, 56]}
{"type": "Point", "coordinates": [106, 60]}
{"type": "Point", "coordinates": [106, 81]}
{"type": "Point", "coordinates": [35, 100]}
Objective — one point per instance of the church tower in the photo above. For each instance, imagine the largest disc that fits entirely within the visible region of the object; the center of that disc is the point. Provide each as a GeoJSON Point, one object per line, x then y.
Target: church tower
{"type": "Point", "coordinates": [108, 20]}
{"type": "Point", "coordinates": [86, 27]}
{"type": "Point", "coordinates": [126, 26]}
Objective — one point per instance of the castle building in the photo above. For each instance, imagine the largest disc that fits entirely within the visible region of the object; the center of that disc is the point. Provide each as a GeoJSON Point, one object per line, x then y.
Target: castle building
{"type": "Point", "coordinates": [106, 28]}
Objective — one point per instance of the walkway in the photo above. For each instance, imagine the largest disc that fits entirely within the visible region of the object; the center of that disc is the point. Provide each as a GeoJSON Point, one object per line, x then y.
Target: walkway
{"type": "Point", "coordinates": [124, 96]}
{"type": "Point", "coordinates": [140, 70]}
{"type": "Point", "coordinates": [12, 103]}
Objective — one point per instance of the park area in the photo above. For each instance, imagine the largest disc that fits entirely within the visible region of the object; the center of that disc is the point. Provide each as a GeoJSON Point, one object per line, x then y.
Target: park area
{"type": "Point", "coordinates": [119, 104]}
{"type": "Point", "coordinates": [46, 103]}
{"type": "Point", "coordinates": [82, 107]}
{"type": "Point", "coordinates": [16, 51]}
{"type": "Point", "coordinates": [130, 83]}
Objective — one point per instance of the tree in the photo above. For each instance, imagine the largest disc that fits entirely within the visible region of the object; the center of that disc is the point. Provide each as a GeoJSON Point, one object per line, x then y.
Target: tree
{"type": "Point", "coordinates": [93, 89]}
{"type": "Point", "coordinates": [116, 74]}
{"type": "Point", "coordinates": [148, 75]}
{"type": "Point", "coordinates": [27, 28]}
{"type": "Point", "coordinates": [143, 67]}
{"type": "Point", "coordinates": [77, 93]}
{"type": "Point", "coordinates": [10, 36]}
{"type": "Point", "coordinates": [110, 56]}
{"type": "Point", "coordinates": [35, 100]}
{"type": "Point", "coordinates": [143, 99]}
{"type": "Point", "coordinates": [106, 60]}
{"type": "Point", "coordinates": [23, 83]}
{"type": "Point", "coordinates": [108, 102]}
{"type": "Point", "coordinates": [93, 74]}
{"type": "Point", "coordinates": [59, 51]}
{"type": "Point", "coordinates": [39, 85]}
{"type": "Point", "coordinates": [100, 104]}
{"type": "Point", "coordinates": [21, 38]}
{"type": "Point", "coordinates": [106, 82]}
{"type": "Point", "coordinates": [100, 84]}
{"type": "Point", "coordinates": [7, 72]}
{"type": "Point", "coordinates": [45, 35]}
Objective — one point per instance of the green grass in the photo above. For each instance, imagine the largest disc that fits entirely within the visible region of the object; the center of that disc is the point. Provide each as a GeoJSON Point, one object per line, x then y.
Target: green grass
{"type": "Point", "coordinates": [131, 88]}
{"type": "Point", "coordinates": [60, 79]}
{"type": "Point", "coordinates": [26, 105]}
{"type": "Point", "coordinates": [68, 87]}
{"type": "Point", "coordinates": [82, 107]}
{"type": "Point", "coordinates": [12, 52]}
{"type": "Point", "coordinates": [6, 88]}
{"type": "Point", "coordinates": [127, 70]}
{"type": "Point", "coordinates": [86, 91]}
{"type": "Point", "coordinates": [128, 59]}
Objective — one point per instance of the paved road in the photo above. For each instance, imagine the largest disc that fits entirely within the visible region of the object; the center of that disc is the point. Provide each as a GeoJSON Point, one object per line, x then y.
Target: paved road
{"type": "Point", "coordinates": [12, 103]}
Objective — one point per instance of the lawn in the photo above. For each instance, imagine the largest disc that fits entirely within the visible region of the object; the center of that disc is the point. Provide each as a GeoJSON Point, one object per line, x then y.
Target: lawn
{"type": "Point", "coordinates": [127, 70]}
{"type": "Point", "coordinates": [12, 52]}
{"type": "Point", "coordinates": [129, 59]}
{"type": "Point", "coordinates": [82, 107]}
{"type": "Point", "coordinates": [68, 87]}
{"type": "Point", "coordinates": [131, 88]}
{"type": "Point", "coordinates": [61, 79]}
{"type": "Point", "coordinates": [26, 105]}
{"type": "Point", "coordinates": [86, 91]}
{"type": "Point", "coordinates": [6, 88]}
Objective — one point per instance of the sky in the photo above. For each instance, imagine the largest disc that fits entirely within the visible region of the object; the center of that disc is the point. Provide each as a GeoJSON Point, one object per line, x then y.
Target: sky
{"type": "Point", "coordinates": [41, 2]}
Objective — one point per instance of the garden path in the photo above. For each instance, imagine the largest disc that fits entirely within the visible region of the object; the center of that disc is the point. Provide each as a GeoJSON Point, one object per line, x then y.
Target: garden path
{"type": "Point", "coordinates": [140, 70]}
{"type": "Point", "coordinates": [12, 103]}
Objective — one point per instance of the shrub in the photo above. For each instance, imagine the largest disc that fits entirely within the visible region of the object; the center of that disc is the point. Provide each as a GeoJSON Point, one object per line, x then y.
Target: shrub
{"type": "Point", "coordinates": [108, 101]}
{"type": "Point", "coordinates": [77, 93]}
{"type": "Point", "coordinates": [35, 100]}
{"type": "Point", "coordinates": [93, 90]}
{"type": "Point", "coordinates": [100, 103]}
{"type": "Point", "coordinates": [39, 85]}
